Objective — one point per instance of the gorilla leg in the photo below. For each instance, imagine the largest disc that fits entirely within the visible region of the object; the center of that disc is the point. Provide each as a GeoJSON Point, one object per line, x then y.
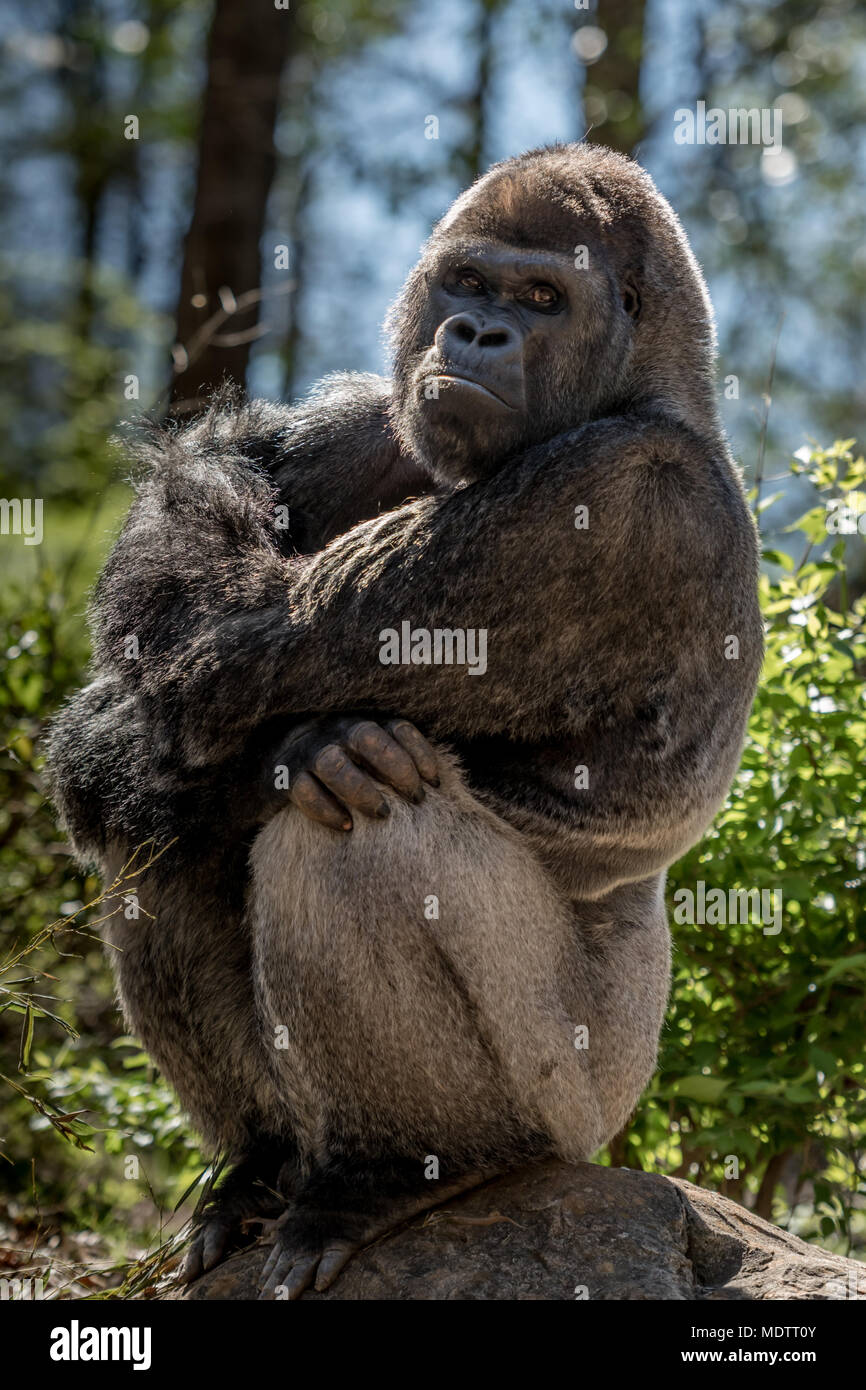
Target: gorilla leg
{"type": "Point", "coordinates": [183, 973]}
{"type": "Point", "coordinates": [182, 966]}
{"type": "Point", "coordinates": [412, 980]}
{"type": "Point", "coordinates": [409, 979]}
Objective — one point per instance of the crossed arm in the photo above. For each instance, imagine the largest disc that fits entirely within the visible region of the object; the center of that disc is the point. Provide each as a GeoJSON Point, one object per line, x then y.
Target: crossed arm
{"type": "Point", "coordinates": [584, 624]}
{"type": "Point", "coordinates": [231, 633]}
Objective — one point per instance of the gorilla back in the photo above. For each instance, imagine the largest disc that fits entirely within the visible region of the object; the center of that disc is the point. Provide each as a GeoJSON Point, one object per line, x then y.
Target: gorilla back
{"type": "Point", "coordinates": [479, 978]}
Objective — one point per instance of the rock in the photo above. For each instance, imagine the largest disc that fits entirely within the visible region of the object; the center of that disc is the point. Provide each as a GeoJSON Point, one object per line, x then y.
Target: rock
{"type": "Point", "coordinates": [544, 1232]}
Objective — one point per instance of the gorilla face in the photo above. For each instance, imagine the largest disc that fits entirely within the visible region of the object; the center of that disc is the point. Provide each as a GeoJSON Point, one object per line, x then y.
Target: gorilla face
{"type": "Point", "coordinates": [511, 347]}
{"type": "Point", "coordinates": [558, 289]}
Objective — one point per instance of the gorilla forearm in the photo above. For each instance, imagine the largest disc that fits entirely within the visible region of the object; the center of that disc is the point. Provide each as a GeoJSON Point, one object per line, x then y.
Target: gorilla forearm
{"type": "Point", "coordinates": [203, 527]}
{"type": "Point", "coordinates": [112, 786]}
{"type": "Point", "coordinates": [97, 750]}
{"type": "Point", "coordinates": [205, 531]}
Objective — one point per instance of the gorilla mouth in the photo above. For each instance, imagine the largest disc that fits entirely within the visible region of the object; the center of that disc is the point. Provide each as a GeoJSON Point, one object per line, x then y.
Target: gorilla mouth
{"type": "Point", "coordinates": [474, 386]}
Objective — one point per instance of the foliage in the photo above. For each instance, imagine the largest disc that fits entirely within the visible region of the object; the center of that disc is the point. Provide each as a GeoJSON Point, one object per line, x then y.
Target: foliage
{"type": "Point", "coordinates": [61, 389]}
{"type": "Point", "coordinates": [59, 1074]}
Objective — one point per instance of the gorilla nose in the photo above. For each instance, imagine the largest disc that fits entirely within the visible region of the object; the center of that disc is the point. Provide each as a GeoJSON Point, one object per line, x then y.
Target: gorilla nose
{"type": "Point", "coordinates": [463, 333]}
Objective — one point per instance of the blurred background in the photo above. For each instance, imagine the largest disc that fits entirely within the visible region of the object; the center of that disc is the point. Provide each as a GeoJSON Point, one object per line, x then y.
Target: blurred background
{"type": "Point", "coordinates": [194, 189]}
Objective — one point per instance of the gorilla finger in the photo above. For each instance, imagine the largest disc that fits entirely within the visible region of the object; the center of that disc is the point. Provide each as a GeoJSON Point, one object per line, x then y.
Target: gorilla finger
{"type": "Point", "coordinates": [335, 1259]}
{"type": "Point", "coordinates": [273, 1282]}
{"type": "Point", "coordinates": [192, 1267]}
{"type": "Point", "coordinates": [300, 1276]}
{"type": "Point", "coordinates": [276, 1261]}
{"type": "Point", "coordinates": [311, 797]}
{"type": "Point", "coordinates": [289, 1273]}
{"type": "Point", "coordinates": [358, 791]}
{"type": "Point", "coordinates": [416, 745]}
{"type": "Point", "coordinates": [385, 758]}
{"type": "Point", "coordinates": [215, 1240]}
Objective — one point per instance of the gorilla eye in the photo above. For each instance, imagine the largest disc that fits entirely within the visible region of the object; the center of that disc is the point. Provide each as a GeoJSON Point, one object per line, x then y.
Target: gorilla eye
{"type": "Point", "coordinates": [543, 296]}
{"type": "Point", "coordinates": [468, 280]}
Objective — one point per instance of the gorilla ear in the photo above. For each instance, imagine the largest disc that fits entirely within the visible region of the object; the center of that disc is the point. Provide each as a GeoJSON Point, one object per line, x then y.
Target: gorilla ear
{"type": "Point", "coordinates": [631, 298]}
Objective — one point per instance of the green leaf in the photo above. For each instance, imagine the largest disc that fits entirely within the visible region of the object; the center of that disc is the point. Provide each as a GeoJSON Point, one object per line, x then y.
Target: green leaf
{"type": "Point", "coordinates": [701, 1088]}
{"type": "Point", "coordinates": [26, 1038]}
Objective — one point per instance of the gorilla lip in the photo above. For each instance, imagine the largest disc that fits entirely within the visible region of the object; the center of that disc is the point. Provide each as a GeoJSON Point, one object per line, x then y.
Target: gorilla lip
{"type": "Point", "coordinates": [475, 386]}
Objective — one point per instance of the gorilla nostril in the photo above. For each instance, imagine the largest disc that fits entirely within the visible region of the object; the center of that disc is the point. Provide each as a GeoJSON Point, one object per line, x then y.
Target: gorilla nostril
{"type": "Point", "coordinates": [494, 339]}
{"type": "Point", "coordinates": [467, 332]}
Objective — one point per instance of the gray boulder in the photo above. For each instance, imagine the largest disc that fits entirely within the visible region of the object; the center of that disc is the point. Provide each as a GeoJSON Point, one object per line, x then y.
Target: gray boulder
{"type": "Point", "coordinates": [551, 1231]}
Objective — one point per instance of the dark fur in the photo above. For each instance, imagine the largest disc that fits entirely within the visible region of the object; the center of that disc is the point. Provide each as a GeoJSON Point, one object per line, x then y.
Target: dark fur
{"type": "Point", "coordinates": [605, 648]}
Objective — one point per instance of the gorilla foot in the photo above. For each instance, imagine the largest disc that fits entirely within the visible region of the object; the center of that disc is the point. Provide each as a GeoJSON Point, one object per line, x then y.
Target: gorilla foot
{"type": "Point", "coordinates": [209, 1246]}
{"type": "Point", "coordinates": [311, 1249]}
{"type": "Point", "coordinates": [246, 1195]}
{"type": "Point", "coordinates": [328, 1225]}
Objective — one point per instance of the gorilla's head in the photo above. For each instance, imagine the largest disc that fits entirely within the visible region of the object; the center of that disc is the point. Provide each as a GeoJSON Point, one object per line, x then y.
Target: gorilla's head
{"type": "Point", "coordinates": [559, 288]}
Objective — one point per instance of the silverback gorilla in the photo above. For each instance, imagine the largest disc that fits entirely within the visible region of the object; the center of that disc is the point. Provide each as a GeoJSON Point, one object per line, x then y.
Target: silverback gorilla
{"type": "Point", "coordinates": [412, 910]}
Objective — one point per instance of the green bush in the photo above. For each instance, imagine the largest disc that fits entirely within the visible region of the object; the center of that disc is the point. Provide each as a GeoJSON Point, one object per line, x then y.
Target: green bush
{"type": "Point", "coordinates": [59, 1077]}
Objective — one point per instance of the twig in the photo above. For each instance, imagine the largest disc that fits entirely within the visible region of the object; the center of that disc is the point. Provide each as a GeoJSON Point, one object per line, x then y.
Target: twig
{"type": "Point", "coordinates": [768, 398]}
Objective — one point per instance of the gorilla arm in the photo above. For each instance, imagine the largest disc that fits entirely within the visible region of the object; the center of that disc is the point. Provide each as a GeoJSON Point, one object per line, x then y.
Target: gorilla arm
{"type": "Point", "coordinates": [203, 519]}
{"type": "Point", "coordinates": [114, 791]}
{"type": "Point", "coordinates": [610, 644]}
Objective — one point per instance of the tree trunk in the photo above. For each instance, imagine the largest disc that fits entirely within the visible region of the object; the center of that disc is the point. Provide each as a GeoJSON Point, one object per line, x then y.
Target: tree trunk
{"type": "Point", "coordinates": [247, 49]}
{"type": "Point", "coordinates": [773, 1174]}
{"type": "Point", "coordinates": [471, 158]}
{"type": "Point", "coordinates": [613, 81]}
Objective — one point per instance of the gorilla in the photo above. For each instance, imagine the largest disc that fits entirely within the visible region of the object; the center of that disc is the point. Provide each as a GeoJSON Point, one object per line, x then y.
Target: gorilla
{"type": "Point", "coordinates": [407, 929]}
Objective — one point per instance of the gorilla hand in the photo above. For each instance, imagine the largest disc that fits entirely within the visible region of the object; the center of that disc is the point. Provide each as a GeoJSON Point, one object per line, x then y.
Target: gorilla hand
{"type": "Point", "coordinates": [332, 767]}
